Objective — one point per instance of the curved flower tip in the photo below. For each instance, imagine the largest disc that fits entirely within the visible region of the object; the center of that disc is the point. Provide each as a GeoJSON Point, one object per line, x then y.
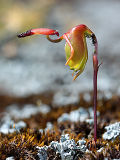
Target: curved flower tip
{"type": "Point", "coordinates": [44, 31]}
{"type": "Point", "coordinates": [76, 48]}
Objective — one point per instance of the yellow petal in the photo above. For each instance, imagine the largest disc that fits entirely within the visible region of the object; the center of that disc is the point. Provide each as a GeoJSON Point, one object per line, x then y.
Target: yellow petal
{"type": "Point", "coordinates": [77, 38]}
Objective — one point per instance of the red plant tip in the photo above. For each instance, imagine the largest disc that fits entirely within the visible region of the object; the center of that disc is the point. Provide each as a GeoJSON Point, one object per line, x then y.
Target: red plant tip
{"type": "Point", "coordinates": [25, 34]}
{"type": "Point", "coordinates": [44, 31]}
{"type": "Point", "coordinates": [56, 33]}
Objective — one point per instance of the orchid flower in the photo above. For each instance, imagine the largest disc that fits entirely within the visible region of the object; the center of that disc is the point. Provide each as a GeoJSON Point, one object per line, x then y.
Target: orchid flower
{"type": "Point", "coordinates": [76, 53]}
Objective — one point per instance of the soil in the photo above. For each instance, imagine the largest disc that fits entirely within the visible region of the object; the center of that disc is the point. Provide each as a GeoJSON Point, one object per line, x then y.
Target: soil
{"type": "Point", "coordinates": [22, 145]}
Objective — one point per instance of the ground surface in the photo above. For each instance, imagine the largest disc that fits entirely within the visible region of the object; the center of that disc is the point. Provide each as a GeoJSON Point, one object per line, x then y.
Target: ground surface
{"type": "Point", "coordinates": [22, 144]}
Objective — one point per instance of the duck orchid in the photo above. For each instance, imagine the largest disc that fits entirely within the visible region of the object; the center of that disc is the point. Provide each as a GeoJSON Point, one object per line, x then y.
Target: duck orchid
{"type": "Point", "coordinates": [76, 53]}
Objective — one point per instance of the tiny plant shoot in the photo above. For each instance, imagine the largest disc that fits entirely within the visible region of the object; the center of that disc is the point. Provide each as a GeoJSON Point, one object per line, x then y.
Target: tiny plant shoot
{"type": "Point", "coordinates": [76, 54]}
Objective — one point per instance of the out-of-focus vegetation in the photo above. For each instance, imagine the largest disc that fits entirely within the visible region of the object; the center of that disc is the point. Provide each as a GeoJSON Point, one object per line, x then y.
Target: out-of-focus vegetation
{"type": "Point", "coordinates": [20, 15]}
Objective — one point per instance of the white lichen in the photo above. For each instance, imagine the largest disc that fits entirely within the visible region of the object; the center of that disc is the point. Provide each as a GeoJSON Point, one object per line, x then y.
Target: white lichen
{"type": "Point", "coordinates": [77, 115]}
{"type": "Point", "coordinates": [10, 158]}
{"type": "Point", "coordinates": [67, 148]}
{"type": "Point", "coordinates": [82, 145]}
{"type": "Point", "coordinates": [27, 110]}
{"type": "Point", "coordinates": [9, 126]}
{"type": "Point", "coordinates": [87, 97]}
{"type": "Point", "coordinates": [113, 131]}
{"type": "Point", "coordinates": [90, 121]}
{"type": "Point", "coordinates": [100, 150]}
{"type": "Point", "coordinates": [80, 114]}
{"type": "Point", "coordinates": [42, 152]}
{"type": "Point", "coordinates": [49, 126]}
{"type": "Point", "coordinates": [64, 97]}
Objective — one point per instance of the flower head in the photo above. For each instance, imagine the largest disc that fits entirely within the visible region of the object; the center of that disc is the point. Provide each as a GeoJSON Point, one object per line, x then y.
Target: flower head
{"type": "Point", "coordinates": [75, 47]}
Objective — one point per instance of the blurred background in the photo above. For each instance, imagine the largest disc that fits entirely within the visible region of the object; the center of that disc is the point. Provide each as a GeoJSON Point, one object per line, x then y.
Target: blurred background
{"type": "Point", "coordinates": [33, 65]}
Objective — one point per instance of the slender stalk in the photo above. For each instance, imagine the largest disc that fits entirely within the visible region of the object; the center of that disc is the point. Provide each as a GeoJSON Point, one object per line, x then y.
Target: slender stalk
{"type": "Point", "coordinates": [95, 103]}
{"type": "Point", "coordinates": [95, 67]}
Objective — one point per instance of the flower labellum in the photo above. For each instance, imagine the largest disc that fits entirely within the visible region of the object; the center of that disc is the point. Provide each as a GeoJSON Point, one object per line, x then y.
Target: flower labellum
{"type": "Point", "coordinates": [76, 51]}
